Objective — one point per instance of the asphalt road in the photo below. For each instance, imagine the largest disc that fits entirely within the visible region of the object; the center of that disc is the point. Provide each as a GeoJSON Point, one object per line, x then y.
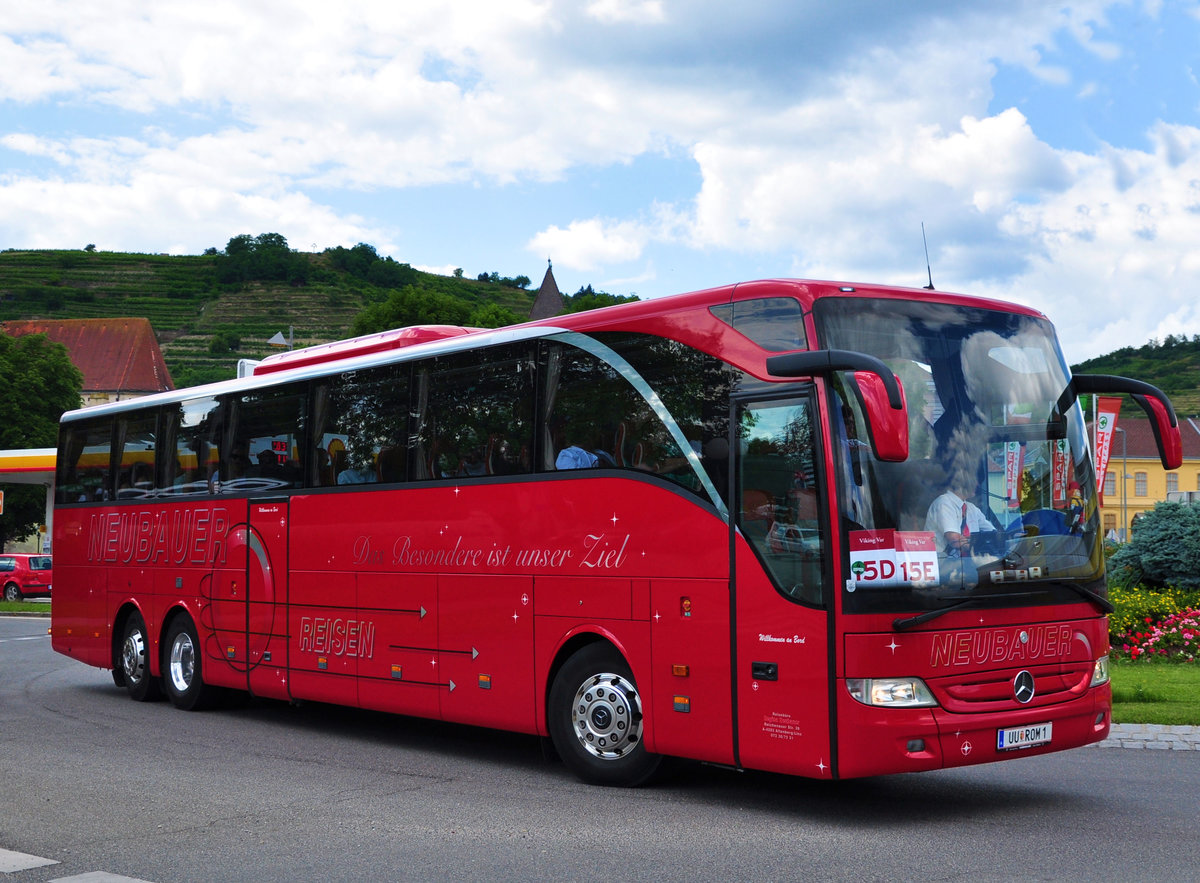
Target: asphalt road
{"type": "Point", "coordinates": [266, 791]}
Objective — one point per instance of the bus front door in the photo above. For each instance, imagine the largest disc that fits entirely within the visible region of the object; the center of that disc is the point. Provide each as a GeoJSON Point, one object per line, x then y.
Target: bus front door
{"type": "Point", "coordinates": [781, 663]}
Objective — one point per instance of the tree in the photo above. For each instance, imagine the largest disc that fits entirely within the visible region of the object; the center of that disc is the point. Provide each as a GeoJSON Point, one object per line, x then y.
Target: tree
{"type": "Point", "coordinates": [224, 341]}
{"type": "Point", "coordinates": [1164, 550]}
{"type": "Point", "coordinates": [39, 383]}
{"type": "Point", "coordinates": [586, 298]}
{"type": "Point", "coordinates": [412, 306]}
{"type": "Point", "coordinates": [265, 257]}
{"type": "Point", "coordinates": [492, 316]}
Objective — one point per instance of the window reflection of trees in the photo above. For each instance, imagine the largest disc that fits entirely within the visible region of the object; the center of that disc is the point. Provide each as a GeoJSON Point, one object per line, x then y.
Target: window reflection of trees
{"type": "Point", "coordinates": [361, 419]}
{"type": "Point", "coordinates": [591, 404]}
{"type": "Point", "coordinates": [473, 413]}
{"type": "Point", "coordinates": [696, 389]}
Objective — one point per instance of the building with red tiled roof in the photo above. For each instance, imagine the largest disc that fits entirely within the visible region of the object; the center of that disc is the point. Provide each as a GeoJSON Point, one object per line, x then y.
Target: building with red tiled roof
{"type": "Point", "coordinates": [119, 358]}
{"type": "Point", "coordinates": [1135, 454]}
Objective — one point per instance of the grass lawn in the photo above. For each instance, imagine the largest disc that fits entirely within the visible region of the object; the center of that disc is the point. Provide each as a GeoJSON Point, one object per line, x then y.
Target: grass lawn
{"type": "Point", "coordinates": [23, 607]}
{"type": "Point", "coordinates": [1155, 693]}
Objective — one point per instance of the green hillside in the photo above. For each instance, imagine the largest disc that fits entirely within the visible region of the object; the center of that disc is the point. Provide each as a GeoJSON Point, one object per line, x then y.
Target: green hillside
{"type": "Point", "coordinates": [1173, 365]}
{"type": "Point", "coordinates": [196, 305]}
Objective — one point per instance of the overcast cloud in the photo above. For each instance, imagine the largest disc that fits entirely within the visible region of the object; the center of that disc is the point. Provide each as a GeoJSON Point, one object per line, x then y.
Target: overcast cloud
{"type": "Point", "coordinates": [653, 146]}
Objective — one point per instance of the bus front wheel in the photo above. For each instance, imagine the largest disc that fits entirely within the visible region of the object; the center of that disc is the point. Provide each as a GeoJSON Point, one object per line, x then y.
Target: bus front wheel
{"type": "Point", "coordinates": [135, 660]}
{"type": "Point", "coordinates": [181, 667]}
{"type": "Point", "coordinates": [595, 719]}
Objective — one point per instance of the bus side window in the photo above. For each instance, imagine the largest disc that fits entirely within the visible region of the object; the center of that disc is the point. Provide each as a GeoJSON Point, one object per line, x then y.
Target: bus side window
{"type": "Point", "coordinates": [360, 420]}
{"type": "Point", "coordinates": [265, 452]}
{"type": "Point", "coordinates": [473, 414]}
{"type": "Point", "coordinates": [83, 465]}
{"type": "Point", "coordinates": [592, 416]}
{"type": "Point", "coordinates": [194, 430]}
{"type": "Point", "coordinates": [135, 444]}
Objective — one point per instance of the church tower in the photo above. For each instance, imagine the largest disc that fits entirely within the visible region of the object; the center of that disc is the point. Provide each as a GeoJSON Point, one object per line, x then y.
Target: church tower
{"type": "Point", "coordinates": [549, 300]}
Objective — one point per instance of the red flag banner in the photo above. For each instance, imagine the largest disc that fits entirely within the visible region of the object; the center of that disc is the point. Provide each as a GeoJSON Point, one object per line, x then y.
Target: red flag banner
{"type": "Point", "coordinates": [1107, 408]}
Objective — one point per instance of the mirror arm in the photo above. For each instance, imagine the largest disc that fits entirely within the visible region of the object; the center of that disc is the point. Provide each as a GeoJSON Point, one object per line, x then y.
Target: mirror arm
{"type": "Point", "coordinates": [826, 362]}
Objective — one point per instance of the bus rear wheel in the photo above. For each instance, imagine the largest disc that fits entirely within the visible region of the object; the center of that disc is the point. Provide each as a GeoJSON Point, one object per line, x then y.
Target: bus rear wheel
{"type": "Point", "coordinates": [135, 660]}
{"type": "Point", "coordinates": [595, 719]}
{"type": "Point", "coordinates": [181, 666]}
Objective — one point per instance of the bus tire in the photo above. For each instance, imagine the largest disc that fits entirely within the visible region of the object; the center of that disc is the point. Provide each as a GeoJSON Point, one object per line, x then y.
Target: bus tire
{"type": "Point", "coordinates": [595, 719]}
{"type": "Point", "coordinates": [182, 667]}
{"type": "Point", "coordinates": [135, 660]}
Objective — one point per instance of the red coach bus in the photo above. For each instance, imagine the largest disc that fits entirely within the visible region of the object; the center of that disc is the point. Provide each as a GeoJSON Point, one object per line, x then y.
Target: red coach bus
{"type": "Point", "coordinates": [825, 530]}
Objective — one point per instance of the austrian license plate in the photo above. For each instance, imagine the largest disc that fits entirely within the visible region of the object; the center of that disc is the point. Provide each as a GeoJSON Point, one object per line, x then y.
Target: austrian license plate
{"type": "Point", "coordinates": [1023, 737]}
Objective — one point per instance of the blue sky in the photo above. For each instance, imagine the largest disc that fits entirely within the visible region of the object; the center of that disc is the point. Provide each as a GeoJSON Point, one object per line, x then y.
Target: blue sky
{"type": "Point", "coordinates": [646, 146]}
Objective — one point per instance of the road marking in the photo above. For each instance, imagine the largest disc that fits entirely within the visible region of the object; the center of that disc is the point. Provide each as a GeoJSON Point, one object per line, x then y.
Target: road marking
{"type": "Point", "coordinates": [24, 638]}
{"type": "Point", "coordinates": [19, 861]}
{"type": "Point", "coordinates": [97, 877]}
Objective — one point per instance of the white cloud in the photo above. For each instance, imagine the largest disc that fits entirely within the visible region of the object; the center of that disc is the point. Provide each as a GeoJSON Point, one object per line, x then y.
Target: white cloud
{"type": "Point", "coordinates": [589, 244]}
{"type": "Point", "coordinates": [626, 11]}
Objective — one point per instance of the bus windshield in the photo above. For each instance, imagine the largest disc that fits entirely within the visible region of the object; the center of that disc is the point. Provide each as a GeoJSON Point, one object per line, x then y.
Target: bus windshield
{"type": "Point", "coordinates": [997, 501]}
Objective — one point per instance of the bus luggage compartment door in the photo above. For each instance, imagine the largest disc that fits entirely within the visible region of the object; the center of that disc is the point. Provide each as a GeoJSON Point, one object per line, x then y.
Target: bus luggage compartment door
{"type": "Point", "coordinates": [267, 596]}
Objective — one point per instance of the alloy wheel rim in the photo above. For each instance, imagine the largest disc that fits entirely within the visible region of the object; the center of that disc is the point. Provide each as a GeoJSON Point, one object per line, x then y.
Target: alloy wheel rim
{"type": "Point", "coordinates": [606, 716]}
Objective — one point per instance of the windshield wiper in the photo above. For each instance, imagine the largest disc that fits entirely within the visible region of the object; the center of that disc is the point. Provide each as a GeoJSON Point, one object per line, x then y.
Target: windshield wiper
{"type": "Point", "coordinates": [921, 618]}
{"type": "Point", "coordinates": [1104, 604]}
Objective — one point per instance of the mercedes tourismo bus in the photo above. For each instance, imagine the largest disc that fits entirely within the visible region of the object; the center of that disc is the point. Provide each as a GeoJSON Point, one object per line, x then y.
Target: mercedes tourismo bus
{"type": "Point", "coordinates": [710, 526]}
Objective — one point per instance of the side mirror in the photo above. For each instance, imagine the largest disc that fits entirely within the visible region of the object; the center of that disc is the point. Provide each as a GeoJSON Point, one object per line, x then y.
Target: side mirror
{"type": "Point", "coordinates": [876, 387]}
{"type": "Point", "coordinates": [888, 426]}
{"type": "Point", "coordinates": [1152, 400]}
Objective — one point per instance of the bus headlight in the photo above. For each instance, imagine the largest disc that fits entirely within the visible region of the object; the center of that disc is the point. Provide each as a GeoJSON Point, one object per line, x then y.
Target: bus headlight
{"type": "Point", "coordinates": [891, 692]}
{"type": "Point", "coordinates": [1100, 672]}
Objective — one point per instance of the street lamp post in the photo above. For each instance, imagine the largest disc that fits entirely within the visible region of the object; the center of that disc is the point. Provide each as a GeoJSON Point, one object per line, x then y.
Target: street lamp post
{"type": "Point", "coordinates": [1124, 480]}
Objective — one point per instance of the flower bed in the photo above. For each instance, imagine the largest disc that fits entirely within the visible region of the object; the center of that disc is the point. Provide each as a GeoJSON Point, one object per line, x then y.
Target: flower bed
{"type": "Point", "coordinates": [1155, 625]}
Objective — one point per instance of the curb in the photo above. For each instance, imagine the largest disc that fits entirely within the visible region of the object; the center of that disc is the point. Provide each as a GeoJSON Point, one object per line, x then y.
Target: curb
{"type": "Point", "coordinates": [1155, 737]}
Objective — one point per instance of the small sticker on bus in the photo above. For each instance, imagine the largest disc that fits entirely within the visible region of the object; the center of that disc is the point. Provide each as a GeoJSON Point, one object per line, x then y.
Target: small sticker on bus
{"type": "Point", "coordinates": [888, 558]}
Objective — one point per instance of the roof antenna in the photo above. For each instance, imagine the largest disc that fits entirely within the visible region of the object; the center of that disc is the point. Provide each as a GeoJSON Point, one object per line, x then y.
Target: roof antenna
{"type": "Point", "coordinates": [928, 269]}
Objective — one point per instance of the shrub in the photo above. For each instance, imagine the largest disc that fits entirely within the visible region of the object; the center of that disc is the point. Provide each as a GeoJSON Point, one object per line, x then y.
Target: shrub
{"type": "Point", "coordinates": [1164, 550]}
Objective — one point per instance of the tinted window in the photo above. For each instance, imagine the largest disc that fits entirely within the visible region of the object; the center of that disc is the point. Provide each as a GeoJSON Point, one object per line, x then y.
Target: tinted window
{"type": "Point", "coordinates": [361, 420]}
{"type": "Point", "coordinates": [774, 323]}
{"type": "Point", "coordinates": [192, 448]}
{"type": "Point", "coordinates": [600, 409]}
{"type": "Point", "coordinates": [695, 388]}
{"type": "Point", "coordinates": [780, 504]}
{"type": "Point", "coordinates": [266, 441]}
{"type": "Point", "coordinates": [473, 413]}
{"type": "Point", "coordinates": [135, 444]}
{"type": "Point", "coordinates": [83, 462]}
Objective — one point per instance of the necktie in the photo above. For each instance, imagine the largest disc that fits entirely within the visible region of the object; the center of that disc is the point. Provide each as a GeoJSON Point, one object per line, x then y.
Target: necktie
{"type": "Point", "coordinates": [966, 528]}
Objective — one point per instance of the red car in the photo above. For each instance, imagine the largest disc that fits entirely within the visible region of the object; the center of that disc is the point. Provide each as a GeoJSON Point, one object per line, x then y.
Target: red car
{"type": "Point", "coordinates": [25, 575]}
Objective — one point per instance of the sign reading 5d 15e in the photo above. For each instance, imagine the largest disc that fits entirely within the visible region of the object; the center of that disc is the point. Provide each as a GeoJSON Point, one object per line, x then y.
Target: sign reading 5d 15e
{"type": "Point", "coordinates": [882, 558]}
